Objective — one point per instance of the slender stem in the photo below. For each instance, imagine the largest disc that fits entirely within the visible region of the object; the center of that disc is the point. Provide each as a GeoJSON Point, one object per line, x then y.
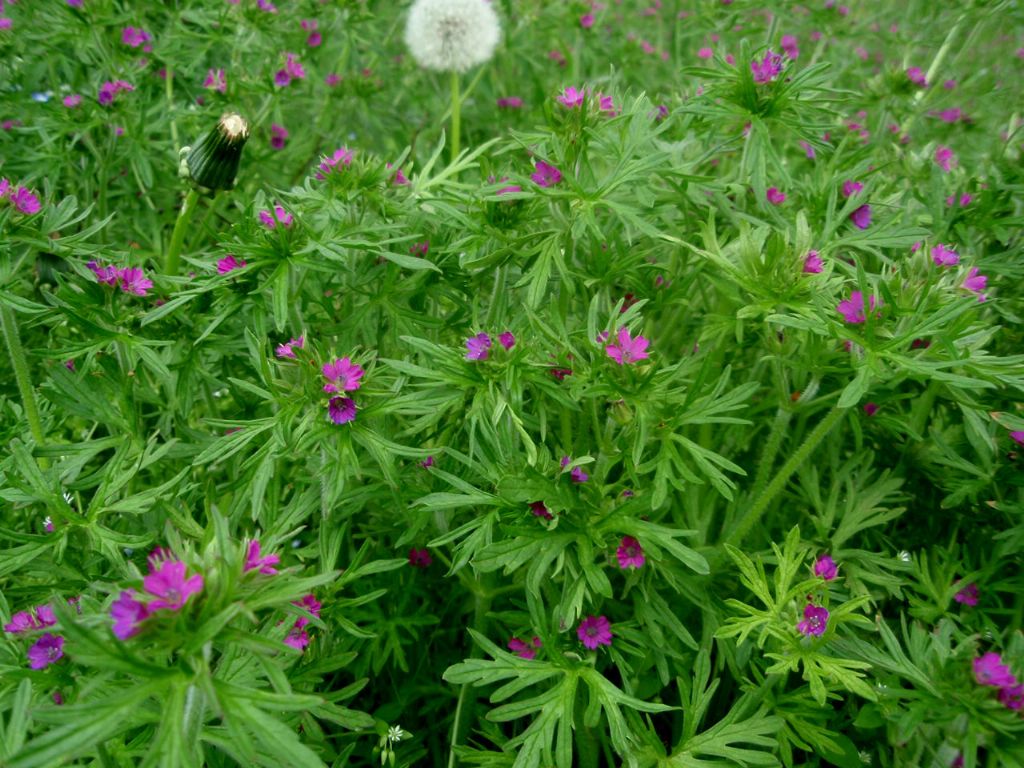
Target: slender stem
{"type": "Point", "coordinates": [21, 375]}
{"type": "Point", "coordinates": [173, 258]}
{"type": "Point", "coordinates": [753, 515]}
{"type": "Point", "coordinates": [456, 115]}
{"type": "Point", "coordinates": [481, 605]}
{"type": "Point", "coordinates": [169, 92]}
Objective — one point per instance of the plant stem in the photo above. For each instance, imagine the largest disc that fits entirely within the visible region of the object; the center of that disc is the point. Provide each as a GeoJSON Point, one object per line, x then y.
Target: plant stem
{"type": "Point", "coordinates": [753, 515]}
{"type": "Point", "coordinates": [21, 375]}
{"type": "Point", "coordinates": [456, 115]}
{"type": "Point", "coordinates": [173, 258]}
{"type": "Point", "coordinates": [481, 605]}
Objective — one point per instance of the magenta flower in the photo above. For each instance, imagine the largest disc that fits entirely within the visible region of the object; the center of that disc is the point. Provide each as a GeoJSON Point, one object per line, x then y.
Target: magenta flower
{"type": "Point", "coordinates": [280, 215]}
{"type": "Point", "coordinates": [808, 150]}
{"type": "Point", "coordinates": [315, 38]}
{"type": "Point", "coordinates": [109, 90]}
{"type": "Point", "coordinates": [128, 615]}
{"type": "Point", "coordinates": [825, 567]}
{"type": "Point", "coordinates": [168, 583]}
{"type": "Point", "coordinates": [944, 158]}
{"type": "Point", "coordinates": [606, 104]}
{"type": "Point", "coordinates": [852, 309]}
{"type": "Point", "coordinates": [576, 473]}
{"type": "Point", "coordinates": [228, 264]}
{"type": "Point", "coordinates": [630, 553]}
{"type": "Point", "coordinates": [570, 97]}
{"type": "Point", "coordinates": [813, 263]}
{"type": "Point", "coordinates": [6, 23]}
{"type": "Point", "coordinates": [789, 47]}
{"type": "Point", "coordinates": [342, 156]}
{"type": "Point", "coordinates": [22, 622]}
{"type": "Point", "coordinates": [851, 188]}
{"type": "Point", "coordinates": [767, 69]}
{"type": "Point", "coordinates": [428, 462]}
{"type": "Point", "coordinates": [968, 595]}
{"type": "Point", "coordinates": [510, 102]}
{"type": "Point", "coordinates": [1012, 696]}
{"type": "Point", "coordinates": [5, 185]}
{"type": "Point", "coordinates": [861, 217]}
{"type": "Point", "coordinates": [420, 558]}
{"type": "Point", "coordinates": [216, 80]}
{"type": "Point", "coordinates": [775, 196]}
{"type": "Point", "coordinates": [133, 280]}
{"type": "Point", "coordinates": [587, 20]}
{"type": "Point", "coordinates": [264, 565]}
{"type": "Point", "coordinates": [332, 79]}
{"type": "Point", "coordinates": [705, 53]}
{"type": "Point", "coordinates": [815, 620]}
{"type": "Point", "coordinates": [628, 350]}
{"type": "Point", "coordinates": [342, 376]}
{"type": "Point", "coordinates": [965, 200]}
{"type": "Point", "coordinates": [990, 670]}
{"type": "Point", "coordinates": [870, 409]}
{"type": "Point", "coordinates": [47, 650]}
{"type": "Point", "coordinates": [135, 37]}
{"type": "Point", "coordinates": [594, 631]}
{"type": "Point", "coordinates": [1017, 437]}
{"type": "Point", "coordinates": [288, 350]}
{"type": "Point", "coordinates": [293, 67]}
{"type": "Point", "coordinates": [524, 650]}
{"type": "Point", "coordinates": [916, 76]}
{"type": "Point", "coordinates": [507, 340]}
{"type": "Point", "coordinates": [538, 509]}
{"type": "Point", "coordinates": [282, 78]}
{"type": "Point", "coordinates": [23, 199]}
{"type": "Point", "coordinates": [266, 6]}
{"type": "Point", "coordinates": [975, 283]}
{"type": "Point", "coordinates": [477, 346]}
{"type": "Point", "coordinates": [545, 175]}
{"type": "Point", "coordinates": [73, 100]}
{"type": "Point", "coordinates": [307, 603]}
{"type": "Point", "coordinates": [297, 639]}
{"type": "Point", "coordinates": [278, 136]}
{"type": "Point", "coordinates": [399, 179]}
{"type": "Point", "coordinates": [341, 410]}
{"type": "Point", "coordinates": [944, 256]}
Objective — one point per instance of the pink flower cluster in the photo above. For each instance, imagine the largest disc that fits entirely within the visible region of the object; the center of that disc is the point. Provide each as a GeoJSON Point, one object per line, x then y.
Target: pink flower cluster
{"type": "Point", "coordinates": [292, 70]}
{"type": "Point", "coordinates": [571, 98]}
{"type": "Point", "coordinates": [477, 347]}
{"type": "Point", "coordinates": [109, 90]}
{"type": "Point", "coordinates": [167, 588]}
{"type": "Point", "coordinates": [298, 637]}
{"type": "Point", "coordinates": [136, 37]}
{"type": "Point", "coordinates": [278, 216]}
{"type": "Point", "coordinates": [216, 80]}
{"type": "Point", "coordinates": [49, 647]}
{"type": "Point", "coordinates": [328, 164]}
{"type": "Point", "coordinates": [990, 670]}
{"type": "Point", "coordinates": [20, 197]}
{"type": "Point", "coordinates": [342, 376]}
{"type": "Point", "coordinates": [131, 279]}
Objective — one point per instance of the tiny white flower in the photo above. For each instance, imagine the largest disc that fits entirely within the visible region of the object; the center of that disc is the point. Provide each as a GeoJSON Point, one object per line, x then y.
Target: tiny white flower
{"type": "Point", "coordinates": [452, 35]}
{"type": "Point", "coordinates": [904, 556]}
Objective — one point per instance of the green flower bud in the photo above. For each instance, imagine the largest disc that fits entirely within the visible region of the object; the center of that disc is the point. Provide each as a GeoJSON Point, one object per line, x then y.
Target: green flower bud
{"type": "Point", "coordinates": [213, 160]}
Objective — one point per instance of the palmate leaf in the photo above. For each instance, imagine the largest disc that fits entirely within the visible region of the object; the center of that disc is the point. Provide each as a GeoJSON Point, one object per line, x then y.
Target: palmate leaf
{"type": "Point", "coordinates": [548, 740]}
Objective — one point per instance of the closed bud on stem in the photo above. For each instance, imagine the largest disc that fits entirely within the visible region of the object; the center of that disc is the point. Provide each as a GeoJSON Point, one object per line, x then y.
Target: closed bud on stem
{"type": "Point", "coordinates": [213, 161]}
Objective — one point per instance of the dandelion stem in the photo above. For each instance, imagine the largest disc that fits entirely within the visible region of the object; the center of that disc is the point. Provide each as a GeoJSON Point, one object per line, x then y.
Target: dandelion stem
{"type": "Point", "coordinates": [21, 375]}
{"type": "Point", "coordinates": [753, 515]}
{"type": "Point", "coordinates": [173, 257]}
{"type": "Point", "coordinates": [456, 115]}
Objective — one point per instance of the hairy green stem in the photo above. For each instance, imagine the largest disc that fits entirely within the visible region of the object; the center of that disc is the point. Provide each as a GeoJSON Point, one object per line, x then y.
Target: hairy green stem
{"type": "Point", "coordinates": [173, 258]}
{"type": "Point", "coordinates": [753, 515]}
{"type": "Point", "coordinates": [456, 115]}
{"type": "Point", "coordinates": [21, 375]}
{"type": "Point", "coordinates": [771, 448]}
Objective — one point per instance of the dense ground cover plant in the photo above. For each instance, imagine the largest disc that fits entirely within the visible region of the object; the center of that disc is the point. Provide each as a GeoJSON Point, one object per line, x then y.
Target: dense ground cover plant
{"type": "Point", "coordinates": [671, 418]}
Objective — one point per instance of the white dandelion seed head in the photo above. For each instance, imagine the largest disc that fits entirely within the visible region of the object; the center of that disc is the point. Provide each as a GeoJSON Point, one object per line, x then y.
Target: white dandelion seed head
{"type": "Point", "coordinates": [452, 35]}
